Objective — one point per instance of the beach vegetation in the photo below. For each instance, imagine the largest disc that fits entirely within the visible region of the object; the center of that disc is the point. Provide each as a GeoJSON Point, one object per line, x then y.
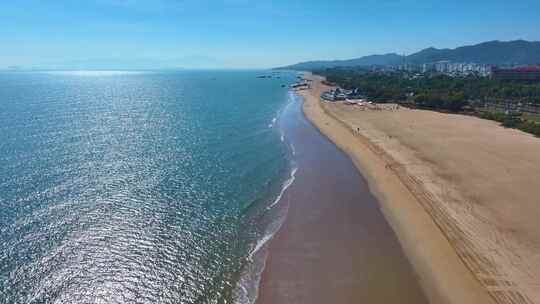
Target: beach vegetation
{"type": "Point", "coordinates": [514, 121]}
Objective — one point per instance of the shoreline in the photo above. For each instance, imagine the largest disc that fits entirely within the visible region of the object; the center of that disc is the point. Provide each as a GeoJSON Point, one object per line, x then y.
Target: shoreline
{"type": "Point", "coordinates": [442, 274]}
{"type": "Point", "coordinates": [334, 245]}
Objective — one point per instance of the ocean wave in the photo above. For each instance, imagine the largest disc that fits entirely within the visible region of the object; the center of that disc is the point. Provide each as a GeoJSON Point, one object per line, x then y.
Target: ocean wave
{"type": "Point", "coordinates": [248, 286]}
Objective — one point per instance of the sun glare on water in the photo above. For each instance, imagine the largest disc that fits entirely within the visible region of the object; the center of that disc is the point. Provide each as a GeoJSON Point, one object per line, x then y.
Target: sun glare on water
{"type": "Point", "coordinates": [91, 73]}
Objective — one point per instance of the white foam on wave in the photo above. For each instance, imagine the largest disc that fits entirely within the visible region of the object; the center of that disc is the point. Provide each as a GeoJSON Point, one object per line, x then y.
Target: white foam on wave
{"type": "Point", "coordinates": [267, 237]}
{"type": "Point", "coordinates": [286, 185]}
{"type": "Point", "coordinates": [248, 286]}
{"type": "Point", "coordinates": [273, 123]}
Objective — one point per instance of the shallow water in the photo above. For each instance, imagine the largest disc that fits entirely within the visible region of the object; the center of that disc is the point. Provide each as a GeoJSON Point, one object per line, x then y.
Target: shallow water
{"type": "Point", "coordinates": [147, 187]}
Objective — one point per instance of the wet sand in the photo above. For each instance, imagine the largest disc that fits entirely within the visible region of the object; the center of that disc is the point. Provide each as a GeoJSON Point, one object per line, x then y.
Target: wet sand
{"type": "Point", "coordinates": [335, 245]}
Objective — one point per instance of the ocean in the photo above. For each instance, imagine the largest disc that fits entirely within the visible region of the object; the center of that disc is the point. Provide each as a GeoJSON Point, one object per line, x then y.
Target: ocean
{"type": "Point", "coordinates": [139, 187]}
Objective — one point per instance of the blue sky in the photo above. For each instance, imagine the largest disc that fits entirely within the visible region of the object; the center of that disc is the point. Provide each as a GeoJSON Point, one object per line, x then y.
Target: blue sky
{"type": "Point", "coordinates": [245, 34]}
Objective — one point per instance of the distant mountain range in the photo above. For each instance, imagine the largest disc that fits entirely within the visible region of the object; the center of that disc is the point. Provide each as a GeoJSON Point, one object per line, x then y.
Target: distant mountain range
{"type": "Point", "coordinates": [518, 52]}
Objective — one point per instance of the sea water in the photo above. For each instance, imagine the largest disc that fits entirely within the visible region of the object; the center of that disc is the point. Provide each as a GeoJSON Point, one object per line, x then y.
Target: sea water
{"type": "Point", "coordinates": [138, 187]}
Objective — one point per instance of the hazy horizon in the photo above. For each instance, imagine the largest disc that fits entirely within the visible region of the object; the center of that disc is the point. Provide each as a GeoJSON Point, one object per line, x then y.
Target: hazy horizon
{"type": "Point", "coordinates": [167, 34]}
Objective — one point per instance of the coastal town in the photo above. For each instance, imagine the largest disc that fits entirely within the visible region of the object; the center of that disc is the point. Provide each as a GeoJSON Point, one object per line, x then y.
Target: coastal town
{"type": "Point", "coordinates": [446, 67]}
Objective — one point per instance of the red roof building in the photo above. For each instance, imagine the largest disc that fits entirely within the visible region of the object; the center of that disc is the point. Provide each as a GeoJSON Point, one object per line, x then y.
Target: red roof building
{"type": "Point", "coordinates": [526, 73]}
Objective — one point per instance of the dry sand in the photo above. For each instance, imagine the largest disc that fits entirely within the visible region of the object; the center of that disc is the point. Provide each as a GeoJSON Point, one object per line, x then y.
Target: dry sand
{"type": "Point", "coordinates": [461, 193]}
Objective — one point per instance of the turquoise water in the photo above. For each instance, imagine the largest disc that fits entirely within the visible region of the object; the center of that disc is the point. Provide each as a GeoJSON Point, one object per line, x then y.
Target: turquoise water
{"type": "Point", "coordinates": [137, 187]}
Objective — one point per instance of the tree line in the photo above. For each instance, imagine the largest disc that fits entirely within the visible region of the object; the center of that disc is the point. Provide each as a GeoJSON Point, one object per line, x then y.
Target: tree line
{"type": "Point", "coordinates": [437, 91]}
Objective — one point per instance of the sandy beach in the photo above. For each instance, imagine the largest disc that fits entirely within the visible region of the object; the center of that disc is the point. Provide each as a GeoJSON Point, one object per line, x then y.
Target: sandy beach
{"type": "Point", "coordinates": [461, 193]}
